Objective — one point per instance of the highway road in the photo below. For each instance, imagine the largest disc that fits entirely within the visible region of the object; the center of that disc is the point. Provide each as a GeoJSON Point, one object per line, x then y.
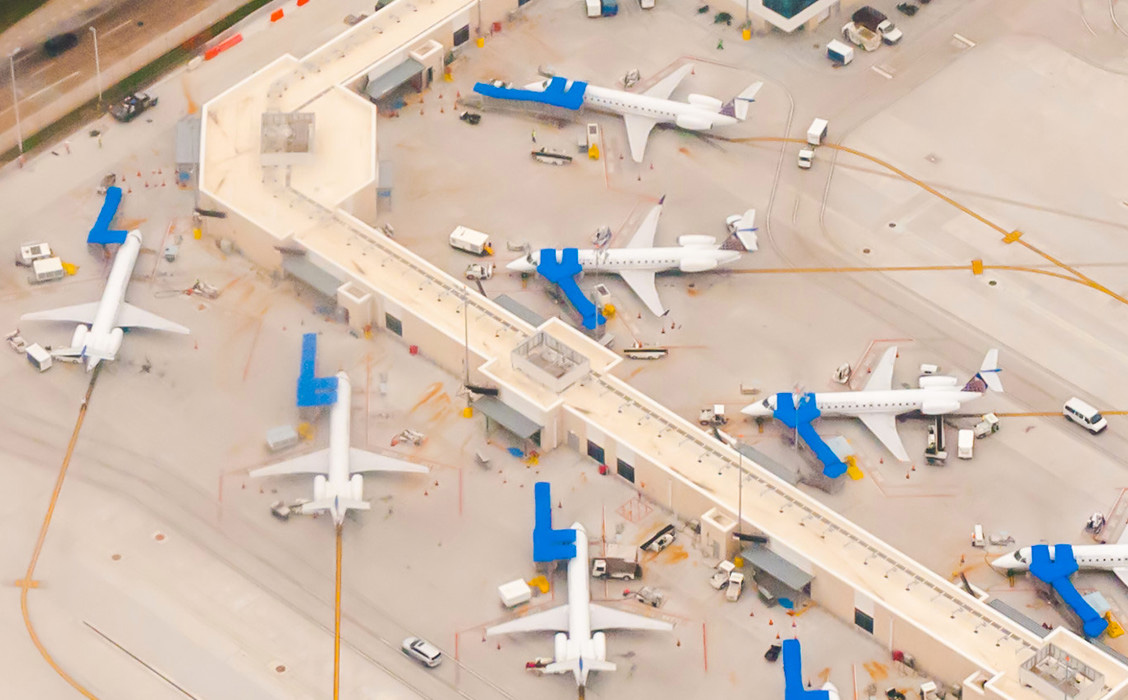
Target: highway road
{"type": "Point", "coordinates": [123, 28]}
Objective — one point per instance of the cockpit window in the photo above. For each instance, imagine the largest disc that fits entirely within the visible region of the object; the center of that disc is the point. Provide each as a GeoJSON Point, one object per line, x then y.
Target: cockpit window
{"type": "Point", "coordinates": [1019, 556]}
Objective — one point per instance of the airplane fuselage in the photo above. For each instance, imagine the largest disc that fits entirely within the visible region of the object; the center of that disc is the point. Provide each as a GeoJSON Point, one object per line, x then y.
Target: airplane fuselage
{"type": "Point", "coordinates": [580, 642]}
{"type": "Point", "coordinates": [105, 319]}
{"type": "Point", "coordinates": [894, 401]}
{"type": "Point", "coordinates": [684, 258]}
{"type": "Point", "coordinates": [684, 114]}
{"type": "Point", "coordinates": [340, 419]}
{"type": "Point", "coordinates": [1093, 557]}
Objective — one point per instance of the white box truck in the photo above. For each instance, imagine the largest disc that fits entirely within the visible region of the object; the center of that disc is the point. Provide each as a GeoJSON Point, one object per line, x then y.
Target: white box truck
{"type": "Point", "coordinates": [471, 241]}
{"type": "Point", "coordinates": [839, 52]}
{"type": "Point", "coordinates": [966, 442]}
{"type": "Point", "coordinates": [594, 8]}
{"type": "Point", "coordinates": [46, 270]}
{"type": "Point", "coordinates": [39, 358]}
{"type": "Point", "coordinates": [816, 132]}
{"type": "Point", "coordinates": [514, 593]}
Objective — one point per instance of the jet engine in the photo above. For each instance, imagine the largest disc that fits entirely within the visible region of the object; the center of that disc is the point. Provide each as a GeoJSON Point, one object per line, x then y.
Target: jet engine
{"type": "Point", "coordinates": [319, 487]}
{"type": "Point", "coordinates": [937, 382]}
{"type": "Point", "coordinates": [599, 645]}
{"type": "Point", "coordinates": [356, 487]}
{"type": "Point", "coordinates": [115, 341]}
{"type": "Point", "coordinates": [79, 337]}
{"type": "Point", "coordinates": [705, 102]}
{"type": "Point", "coordinates": [560, 646]}
{"type": "Point", "coordinates": [693, 123]}
{"type": "Point", "coordinates": [697, 264]}
{"type": "Point", "coordinates": [690, 240]}
{"type": "Point", "coordinates": [937, 408]}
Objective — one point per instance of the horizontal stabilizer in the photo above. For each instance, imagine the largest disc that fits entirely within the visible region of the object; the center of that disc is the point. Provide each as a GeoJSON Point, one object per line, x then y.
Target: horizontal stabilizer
{"type": "Point", "coordinates": [343, 504]}
{"type": "Point", "coordinates": [573, 665]}
{"type": "Point", "coordinates": [612, 619]}
{"type": "Point", "coordinates": [129, 316]}
{"type": "Point", "coordinates": [362, 461]}
{"type": "Point", "coordinates": [312, 463]}
{"type": "Point", "coordinates": [554, 620]}
{"type": "Point", "coordinates": [79, 313]}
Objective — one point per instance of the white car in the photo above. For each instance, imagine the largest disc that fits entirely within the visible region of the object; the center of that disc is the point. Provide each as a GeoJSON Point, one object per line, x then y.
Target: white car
{"type": "Point", "coordinates": [422, 651]}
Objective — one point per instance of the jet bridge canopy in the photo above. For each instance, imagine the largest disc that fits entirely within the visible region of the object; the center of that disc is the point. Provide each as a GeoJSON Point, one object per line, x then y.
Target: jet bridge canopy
{"type": "Point", "coordinates": [777, 567]}
{"type": "Point", "coordinates": [510, 419]}
{"type": "Point", "coordinates": [379, 86]}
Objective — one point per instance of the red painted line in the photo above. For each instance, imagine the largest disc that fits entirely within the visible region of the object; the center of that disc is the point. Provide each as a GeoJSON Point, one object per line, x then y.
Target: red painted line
{"type": "Point", "coordinates": [704, 647]}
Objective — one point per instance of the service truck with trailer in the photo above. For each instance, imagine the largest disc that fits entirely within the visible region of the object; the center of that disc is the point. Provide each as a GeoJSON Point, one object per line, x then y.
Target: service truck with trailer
{"type": "Point", "coordinates": [875, 20]}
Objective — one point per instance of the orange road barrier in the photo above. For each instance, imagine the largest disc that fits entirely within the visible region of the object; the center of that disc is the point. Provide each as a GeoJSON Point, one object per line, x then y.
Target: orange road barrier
{"type": "Point", "coordinates": [220, 48]}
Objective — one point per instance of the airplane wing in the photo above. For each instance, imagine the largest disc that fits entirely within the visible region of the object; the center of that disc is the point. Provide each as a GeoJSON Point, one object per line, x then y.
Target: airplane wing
{"type": "Point", "coordinates": [554, 620]}
{"type": "Point", "coordinates": [644, 235]}
{"type": "Point", "coordinates": [129, 316]}
{"type": "Point", "coordinates": [1121, 574]}
{"type": "Point", "coordinates": [882, 377]}
{"type": "Point", "coordinates": [611, 619]}
{"type": "Point", "coordinates": [664, 87]}
{"type": "Point", "coordinates": [312, 463]}
{"type": "Point", "coordinates": [79, 313]}
{"type": "Point", "coordinates": [638, 131]}
{"type": "Point", "coordinates": [884, 428]}
{"type": "Point", "coordinates": [642, 282]}
{"type": "Point", "coordinates": [364, 461]}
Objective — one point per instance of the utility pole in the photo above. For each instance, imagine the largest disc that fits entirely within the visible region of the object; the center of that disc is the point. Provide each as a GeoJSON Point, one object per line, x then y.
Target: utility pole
{"type": "Point", "coordinates": [15, 98]}
{"type": "Point", "coordinates": [97, 66]}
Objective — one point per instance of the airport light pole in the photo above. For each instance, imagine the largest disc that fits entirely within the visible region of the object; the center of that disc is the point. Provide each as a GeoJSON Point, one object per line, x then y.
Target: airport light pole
{"type": "Point", "coordinates": [97, 65]}
{"type": "Point", "coordinates": [15, 98]}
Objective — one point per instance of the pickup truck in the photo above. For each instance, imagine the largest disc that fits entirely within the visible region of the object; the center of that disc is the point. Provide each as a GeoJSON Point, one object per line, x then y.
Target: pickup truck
{"type": "Point", "coordinates": [608, 567]}
{"type": "Point", "coordinates": [861, 36]}
{"type": "Point", "coordinates": [735, 587]}
{"type": "Point", "coordinates": [874, 20]}
{"type": "Point", "coordinates": [131, 107]}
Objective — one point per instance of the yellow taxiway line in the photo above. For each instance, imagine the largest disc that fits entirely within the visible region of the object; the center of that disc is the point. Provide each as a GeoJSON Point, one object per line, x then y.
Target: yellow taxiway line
{"type": "Point", "coordinates": [337, 625]}
{"type": "Point", "coordinates": [28, 582]}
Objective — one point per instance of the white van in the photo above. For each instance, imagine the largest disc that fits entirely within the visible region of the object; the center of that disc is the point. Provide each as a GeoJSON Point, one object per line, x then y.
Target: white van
{"type": "Point", "coordinates": [1084, 415]}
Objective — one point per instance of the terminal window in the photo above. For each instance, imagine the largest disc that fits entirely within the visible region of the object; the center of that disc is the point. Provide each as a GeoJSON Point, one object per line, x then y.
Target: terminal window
{"type": "Point", "coordinates": [393, 324]}
{"type": "Point", "coordinates": [863, 620]}
{"type": "Point", "coordinates": [595, 452]}
{"type": "Point", "coordinates": [626, 471]}
{"type": "Point", "coordinates": [788, 8]}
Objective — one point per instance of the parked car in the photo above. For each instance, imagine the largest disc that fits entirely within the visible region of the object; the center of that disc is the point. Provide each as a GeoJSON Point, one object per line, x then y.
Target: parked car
{"type": "Point", "coordinates": [131, 107]}
{"type": "Point", "coordinates": [59, 44]}
{"type": "Point", "coordinates": [422, 651]}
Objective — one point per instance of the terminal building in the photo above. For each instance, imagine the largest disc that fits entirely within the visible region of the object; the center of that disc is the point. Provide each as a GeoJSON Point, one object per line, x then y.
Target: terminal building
{"type": "Point", "coordinates": [290, 156]}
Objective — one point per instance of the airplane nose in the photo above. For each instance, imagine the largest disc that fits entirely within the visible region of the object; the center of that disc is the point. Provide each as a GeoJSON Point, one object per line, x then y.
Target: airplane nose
{"type": "Point", "coordinates": [1007, 562]}
{"type": "Point", "coordinates": [520, 265]}
{"type": "Point", "coordinates": [756, 410]}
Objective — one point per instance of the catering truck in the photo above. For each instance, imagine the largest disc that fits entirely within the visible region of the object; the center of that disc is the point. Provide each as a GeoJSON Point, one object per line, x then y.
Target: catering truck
{"type": "Point", "coordinates": [874, 20]}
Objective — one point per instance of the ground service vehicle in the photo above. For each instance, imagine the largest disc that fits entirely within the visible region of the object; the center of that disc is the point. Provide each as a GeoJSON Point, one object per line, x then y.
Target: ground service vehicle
{"type": "Point", "coordinates": [471, 241]}
{"type": "Point", "coordinates": [56, 45]}
{"type": "Point", "coordinates": [874, 20]}
{"type": "Point", "coordinates": [839, 53]}
{"type": "Point", "coordinates": [735, 587]}
{"type": "Point", "coordinates": [132, 107]}
{"type": "Point", "coordinates": [861, 36]}
{"type": "Point", "coordinates": [422, 651]}
{"type": "Point", "coordinates": [1084, 415]}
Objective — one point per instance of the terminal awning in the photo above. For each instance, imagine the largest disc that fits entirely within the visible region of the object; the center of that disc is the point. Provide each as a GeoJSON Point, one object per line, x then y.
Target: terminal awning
{"type": "Point", "coordinates": [379, 86]}
{"type": "Point", "coordinates": [777, 567]}
{"type": "Point", "coordinates": [510, 418]}
{"type": "Point", "coordinates": [303, 268]}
